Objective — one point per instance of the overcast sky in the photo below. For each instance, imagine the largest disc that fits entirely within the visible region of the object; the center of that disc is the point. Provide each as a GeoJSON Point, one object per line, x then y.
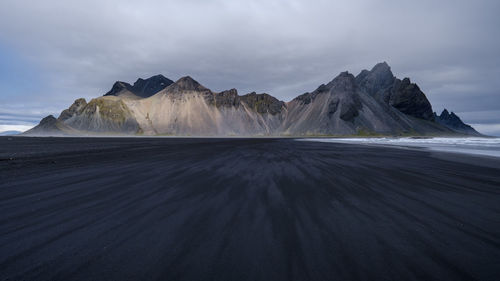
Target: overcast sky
{"type": "Point", "coordinates": [52, 52]}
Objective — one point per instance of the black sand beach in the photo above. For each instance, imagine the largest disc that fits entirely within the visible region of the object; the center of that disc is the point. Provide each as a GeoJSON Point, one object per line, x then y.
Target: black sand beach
{"type": "Point", "coordinates": [244, 209]}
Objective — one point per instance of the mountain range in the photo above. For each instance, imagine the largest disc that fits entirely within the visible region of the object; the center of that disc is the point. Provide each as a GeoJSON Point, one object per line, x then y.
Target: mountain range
{"type": "Point", "coordinates": [372, 103]}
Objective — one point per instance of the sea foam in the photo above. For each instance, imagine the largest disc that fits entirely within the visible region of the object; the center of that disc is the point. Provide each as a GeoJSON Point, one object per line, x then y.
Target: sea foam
{"type": "Point", "coordinates": [473, 145]}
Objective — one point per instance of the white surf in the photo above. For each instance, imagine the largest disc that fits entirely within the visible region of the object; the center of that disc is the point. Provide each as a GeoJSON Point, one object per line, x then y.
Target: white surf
{"type": "Point", "coordinates": [475, 145]}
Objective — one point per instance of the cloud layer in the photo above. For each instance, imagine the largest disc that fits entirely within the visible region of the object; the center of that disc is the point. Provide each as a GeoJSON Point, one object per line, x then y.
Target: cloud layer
{"type": "Point", "coordinates": [57, 51]}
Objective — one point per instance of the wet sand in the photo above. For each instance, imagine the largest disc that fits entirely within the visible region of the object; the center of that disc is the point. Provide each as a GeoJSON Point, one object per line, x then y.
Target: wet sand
{"type": "Point", "coordinates": [244, 209]}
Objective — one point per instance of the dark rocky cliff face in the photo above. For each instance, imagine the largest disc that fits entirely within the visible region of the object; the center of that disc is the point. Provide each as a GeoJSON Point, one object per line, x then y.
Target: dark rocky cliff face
{"type": "Point", "coordinates": [263, 103]}
{"type": "Point", "coordinates": [142, 87]}
{"type": "Point", "coordinates": [403, 95]}
{"type": "Point", "coordinates": [118, 87]}
{"type": "Point", "coordinates": [452, 121]}
{"type": "Point", "coordinates": [147, 87]}
{"type": "Point", "coordinates": [228, 98]}
{"type": "Point", "coordinates": [344, 88]}
{"type": "Point", "coordinates": [409, 99]}
{"type": "Point", "coordinates": [376, 81]}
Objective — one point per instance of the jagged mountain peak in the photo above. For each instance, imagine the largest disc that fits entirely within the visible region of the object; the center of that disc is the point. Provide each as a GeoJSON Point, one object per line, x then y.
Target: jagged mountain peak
{"type": "Point", "coordinates": [406, 81]}
{"type": "Point", "coordinates": [445, 113]}
{"type": "Point", "coordinates": [345, 75]}
{"type": "Point", "coordinates": [382, 71]}
{"type": "Point", "coordinates": [142, 88]}
{"type": "Point", "coordinates": [381, 67]}
{"type": "Point", "coordinates": [263, 95]}
{"type": "Point", "coordinates": [187, 79]}
{"type": "Point", "coordinates": [186, 83]}
{"type": "Point", "coordinates": [118, 86]}
{"type": "Point", "coordinates": [75, 108]}
{"type": "Point", "coordinates": [380, 77]}
{"type": "Point", "coordinates": [50, 119]}
{"type": "Point", "coordinates": [344, 81]}
{"type": "Point", "coordinates": [452, 121]}
{"type": "Point", "coordinates": [232, 91]}
{"type": "Point", "coordinates": [263, 103]}
{"type": "Point", "coordinates": [159, 78]}
{"type": "Point", "coordinates": [148, 87]}
{"type": "Point", "coordinates": [156, 77]}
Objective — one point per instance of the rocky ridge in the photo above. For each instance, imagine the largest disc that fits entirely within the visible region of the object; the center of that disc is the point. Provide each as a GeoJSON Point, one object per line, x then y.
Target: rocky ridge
{"type": "Point", "coordinates": [453, 122]}
{"type": "Point", "coordinates": [374, 102]}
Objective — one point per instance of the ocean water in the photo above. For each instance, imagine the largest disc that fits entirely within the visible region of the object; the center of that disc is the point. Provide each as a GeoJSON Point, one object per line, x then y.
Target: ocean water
{"type": "Point", "coordinates": [478, 146]}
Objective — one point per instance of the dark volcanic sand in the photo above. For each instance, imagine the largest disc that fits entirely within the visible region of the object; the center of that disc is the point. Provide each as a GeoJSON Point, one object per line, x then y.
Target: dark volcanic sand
{"type": "Point", "coordinates": [244, 209]}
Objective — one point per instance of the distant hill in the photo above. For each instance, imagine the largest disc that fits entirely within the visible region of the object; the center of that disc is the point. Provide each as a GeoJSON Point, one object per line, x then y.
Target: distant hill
{"type": "Point", "coordinates": [10, 133]}
{"type": "Point", "coordinates": [374, 102]}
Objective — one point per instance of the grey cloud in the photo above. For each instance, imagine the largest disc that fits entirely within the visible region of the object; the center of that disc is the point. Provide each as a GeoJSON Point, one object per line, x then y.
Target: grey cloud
{"type": "Point", "coordinates": [488, 129]}
{"type": "Point", "coordinates": [285, 48]}
{"type": "Point", "coordinates": [481, 117]}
